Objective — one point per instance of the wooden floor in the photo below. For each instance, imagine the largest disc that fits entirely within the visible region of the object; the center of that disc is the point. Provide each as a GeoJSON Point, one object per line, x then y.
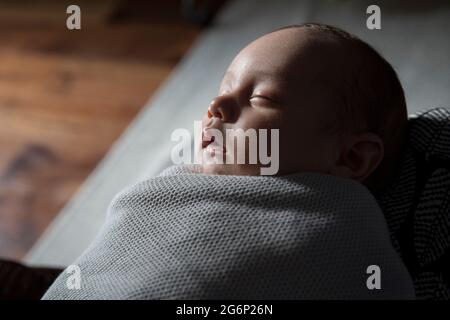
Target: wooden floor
{"type": "Point", "coordinates": [65, 96]}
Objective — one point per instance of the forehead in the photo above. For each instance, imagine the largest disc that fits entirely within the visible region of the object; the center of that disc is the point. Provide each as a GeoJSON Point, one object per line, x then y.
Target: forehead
{"type": "Point", "coordinates": [282, 55]}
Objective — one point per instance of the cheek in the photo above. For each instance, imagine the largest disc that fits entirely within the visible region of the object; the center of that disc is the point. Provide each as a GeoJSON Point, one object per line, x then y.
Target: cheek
{"type": "Point", "coordinates": [259, 118]}
{"type": "Point", "coordinates": [305, 150]}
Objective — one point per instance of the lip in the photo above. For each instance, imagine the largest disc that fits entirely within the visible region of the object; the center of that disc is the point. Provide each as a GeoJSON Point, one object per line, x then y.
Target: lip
{"type": "Point", "coordinates": [208, 138]}
{"type": "Point", "coordinates": [208, 141]}
{"type": "Point", "coordinates": [216, 149]}
{"type": "Point", "coordinates": [211, 146]}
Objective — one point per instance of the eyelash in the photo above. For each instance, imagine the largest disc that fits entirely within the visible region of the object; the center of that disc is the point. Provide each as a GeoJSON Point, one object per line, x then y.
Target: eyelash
{"type": "Point", "coordinates": [261, 97]}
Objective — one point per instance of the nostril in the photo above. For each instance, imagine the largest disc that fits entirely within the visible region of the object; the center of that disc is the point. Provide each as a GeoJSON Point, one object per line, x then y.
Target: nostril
{"type": "Point", "coordinates": [215, 111]}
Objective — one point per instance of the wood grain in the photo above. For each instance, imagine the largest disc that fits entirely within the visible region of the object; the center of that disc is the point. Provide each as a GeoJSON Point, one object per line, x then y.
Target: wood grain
{"type": "Point", "coordinates": [65, 96]}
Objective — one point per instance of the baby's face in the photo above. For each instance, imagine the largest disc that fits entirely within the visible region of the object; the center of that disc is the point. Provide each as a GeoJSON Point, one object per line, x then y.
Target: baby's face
{"type": "Point", "coordinates": [274, 84]}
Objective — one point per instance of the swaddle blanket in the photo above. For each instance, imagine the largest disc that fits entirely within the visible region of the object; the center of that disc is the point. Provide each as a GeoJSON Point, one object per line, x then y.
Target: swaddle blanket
{"type": "Point", "coordinates": [184, 235]}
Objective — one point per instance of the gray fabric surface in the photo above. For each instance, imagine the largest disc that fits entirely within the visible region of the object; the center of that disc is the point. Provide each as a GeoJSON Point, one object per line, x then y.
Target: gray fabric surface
{"type": "Point", "coordinates": [184, 235]}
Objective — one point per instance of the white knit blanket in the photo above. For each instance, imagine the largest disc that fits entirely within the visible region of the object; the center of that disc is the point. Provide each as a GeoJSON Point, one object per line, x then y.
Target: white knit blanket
{"type": "Point", "coordinates": [184, 235]}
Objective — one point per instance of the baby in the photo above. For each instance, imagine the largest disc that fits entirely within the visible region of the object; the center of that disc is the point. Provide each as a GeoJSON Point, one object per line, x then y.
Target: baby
{"type": "Point", "coordinates": [338, 105]}
{"type": "Point", "coordinates": [312, 231]}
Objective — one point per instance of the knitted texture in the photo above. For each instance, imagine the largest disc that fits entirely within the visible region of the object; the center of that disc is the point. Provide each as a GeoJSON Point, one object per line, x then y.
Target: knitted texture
{"type": "Point", "coordinates": [184, 235]}
{"type": "Point", "coordinates": [417, 204]}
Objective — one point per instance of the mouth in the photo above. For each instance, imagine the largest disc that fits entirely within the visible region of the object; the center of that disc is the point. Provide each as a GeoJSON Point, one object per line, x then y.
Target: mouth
{"type": "Point", "coordinates": [215, 149]}
{"type": "Point", "coordinates": [208, 143]}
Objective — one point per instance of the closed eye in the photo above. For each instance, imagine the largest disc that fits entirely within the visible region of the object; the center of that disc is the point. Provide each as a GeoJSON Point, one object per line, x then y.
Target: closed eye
{"type": "Point", "coordinates": [262, 97]}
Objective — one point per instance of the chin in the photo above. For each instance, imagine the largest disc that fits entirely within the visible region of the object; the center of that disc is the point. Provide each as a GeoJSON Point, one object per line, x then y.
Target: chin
{"type": "Point", "coordinates": [216, 169]}
{"type": "Point", "coordinates": [226, 168]}
{"type": "Point", "coordinates": [231, 169]}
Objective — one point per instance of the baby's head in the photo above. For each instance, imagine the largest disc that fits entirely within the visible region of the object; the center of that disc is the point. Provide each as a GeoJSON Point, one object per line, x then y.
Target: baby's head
{"type": "Point", "coordinates": [338, 105]}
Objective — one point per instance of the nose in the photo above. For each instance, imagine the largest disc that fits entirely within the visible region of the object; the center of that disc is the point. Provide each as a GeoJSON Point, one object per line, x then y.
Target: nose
{"type": "Point", "coordinates": [223, 107]}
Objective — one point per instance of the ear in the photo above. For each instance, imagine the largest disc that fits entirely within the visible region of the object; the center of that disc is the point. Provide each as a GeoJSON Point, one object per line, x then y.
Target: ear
{"type": "Point", "coordinates": [359, 156]}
